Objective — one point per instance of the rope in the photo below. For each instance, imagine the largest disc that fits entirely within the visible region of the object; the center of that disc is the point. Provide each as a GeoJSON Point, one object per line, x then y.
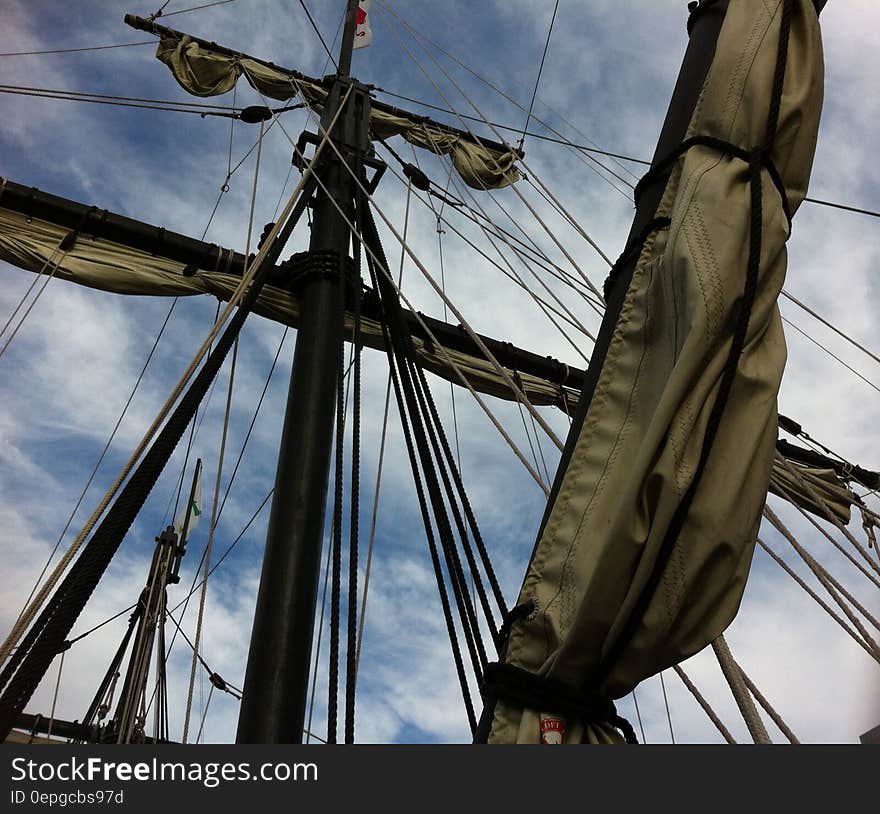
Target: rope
{"type": "Point", "coordinates": [703, 703]}
{"type": "Point", "coordinates": [491, 261]}
{"type": "Point", "coordinates": [832, 355]}
{"type": "Point", "coordinates": [825, 578]}
{"type": "Point", "coordinates": [666, 703]}
{"type": "Point", "coordinates": [408, 409]}
{"type": "Point", "coordinates": [351, 648]}
{"type": "Point", "coordinates": [30, 288]}
{"type": "Point", "coordinates": [542, 304]}
{"type": "Point", "coordinates": [327, 559]}
{"type": "Point", "coordinates": [837, 545]}
{"type": "Point", "coordinates": [449, 360]}
{"type": "Point", "coordinates": [206, 105]}
{"type": "Point", "coordinates": [253, 422]}
{"type": "Point", "coordinates": [208, 547]}
{"type": "Point", "coordinates": [33, 302]}
{"type": "Point", "coordinates": [740, 691]}
{"type": "Point", "coordinates": [375, 511]}
{"type": "Point", "coordinates": [98, 463]}
{"type": "Point", "coordinates": [75, 50]}
{"type": "Point", "coordinates": [821, 602]}
{"type": "Point", "coordinates": [336, 536]}
{"type": "Point", "coordinates": [514, 188]}
{"type": "Point", "coordinates": [205, 714]}
{"type": "Point", "coordinates": [822, 503]}
{"type": "Point", "coordinates": [55, 696]}
{"type": "Point", "coordinates": [195, 8]}
{"type": "Point", "coordinates": [774, 715]}
{"type": "Point", "coordinates": [318, 32]}
{"type": "Point", "coordinates": [639, 715]}
{"type": "Point", "coordinates": [540, 71]}
{"type": "Point", "coordinates": [214, 505]}
{"type": "Point", "coordinates": [827, 324]}
{"type": "Point", "coordinates": [318, 646]}
{"type": "Point", "coordinates": [239, 295]}
{"type": "Point", "coordinates": [60, 96]}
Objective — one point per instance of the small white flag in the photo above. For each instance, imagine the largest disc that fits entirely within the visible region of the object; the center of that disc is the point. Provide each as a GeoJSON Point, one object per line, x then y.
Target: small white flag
{"type": "Point", "coordinates": [194, 508]}
{"type": "Point", "coordinates": [362, 34]}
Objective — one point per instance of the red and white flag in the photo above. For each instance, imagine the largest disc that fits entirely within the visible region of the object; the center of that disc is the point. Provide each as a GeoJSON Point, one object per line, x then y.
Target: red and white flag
{"type": "Point", "coordinates": [362, 34]}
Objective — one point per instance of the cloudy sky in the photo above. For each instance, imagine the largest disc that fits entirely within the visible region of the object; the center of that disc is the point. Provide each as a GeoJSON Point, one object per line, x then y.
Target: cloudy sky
{"type": "Point", "coordinates": [606, 81]}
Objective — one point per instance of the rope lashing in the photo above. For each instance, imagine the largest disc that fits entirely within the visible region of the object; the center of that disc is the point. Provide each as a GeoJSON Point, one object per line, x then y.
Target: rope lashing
{"type": "Point", "coordinates": [525, 689]}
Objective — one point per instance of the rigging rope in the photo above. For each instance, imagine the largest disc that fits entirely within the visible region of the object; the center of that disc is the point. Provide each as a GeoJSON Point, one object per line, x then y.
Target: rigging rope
{"type": "Point", "coordinates": [512, 276]}
{"type": "Point", "coordinates": [37, 296]}
{"type": "Point", "coordinates": [666, 703]}
{"type": "Point", "coordinates": [74, 50]}
{"type": "Point", "coordinates": [562, 277]}
{"type": "Point", "coordinates": [237, 296]}
{"type": "Point", "coordinates": [832, 355]}
{"type": "Point", "coordinates": [774, 715]}
{"type": "Point", "coordinates": [740, 691]}
{"type": "Point", "coordinates": [318, 32]}
{"type": "Point", "coordinates": [703, 703]}
{"type": "Point", "coordinates": [98, 463]}
{"type": "Point", "coordinates": [825, 579]}
{"type": "Point", "coordinates": [208, 547]}
{"type": "Point", "coordinates": [385, 274]}
{"type": "Point", "coordinates": [375, 511]}
{"type": "Point", "coordinates": [827, 324]}
{"type": "Point", "coordinates": [193, 8]}
{"type": "Point", "coordinates": [513, 187]}
{"type": "Point", "coordinates": [538, 79]}
{"type": "Point", "coordinates": [821, 602]}
{"type": "Point", "coordinates": [214, 505]}
{"type": "Point", "coordinates": [55, 696]}
{"type": "Point", "coordinates": [639, 715]}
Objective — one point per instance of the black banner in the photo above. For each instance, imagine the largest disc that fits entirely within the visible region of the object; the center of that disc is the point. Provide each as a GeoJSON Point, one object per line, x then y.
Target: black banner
{"type": "Point", "coordinates": [417, 778]}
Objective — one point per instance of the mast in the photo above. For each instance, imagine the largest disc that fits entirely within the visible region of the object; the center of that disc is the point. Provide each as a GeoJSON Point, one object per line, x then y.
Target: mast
{"type": "Point", "coordinates": [275, 688]}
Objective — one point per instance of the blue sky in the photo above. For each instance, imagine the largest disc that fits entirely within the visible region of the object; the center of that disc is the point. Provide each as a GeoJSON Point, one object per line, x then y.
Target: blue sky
{"type": "Point", "coordinates": [609, 72]}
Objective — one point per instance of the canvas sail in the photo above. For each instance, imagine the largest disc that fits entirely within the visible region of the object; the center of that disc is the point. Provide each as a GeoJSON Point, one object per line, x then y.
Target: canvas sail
{"type": "Point", "coordinates": [32, 243]}
{"type": "Point", "coordinates": [205, 71]}
{"type": "Point", "coordinates": [608, 609]}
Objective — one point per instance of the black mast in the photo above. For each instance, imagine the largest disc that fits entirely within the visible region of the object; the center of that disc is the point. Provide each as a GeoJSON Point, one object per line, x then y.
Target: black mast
{"type": "Point", "coordinates": [274, 697]}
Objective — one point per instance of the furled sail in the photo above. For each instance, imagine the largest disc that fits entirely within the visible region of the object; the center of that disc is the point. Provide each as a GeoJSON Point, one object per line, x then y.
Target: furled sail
{"type": "Point", "coordinates": [205, 69]}
{"type": "Point", "coordinates": [646, 548]}
{"type": "Point", "coordinates": [31, 242]}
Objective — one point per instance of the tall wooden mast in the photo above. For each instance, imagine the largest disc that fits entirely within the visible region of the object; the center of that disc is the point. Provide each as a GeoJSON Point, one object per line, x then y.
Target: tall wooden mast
{"type": "Point", "coordinates": [274, 697]}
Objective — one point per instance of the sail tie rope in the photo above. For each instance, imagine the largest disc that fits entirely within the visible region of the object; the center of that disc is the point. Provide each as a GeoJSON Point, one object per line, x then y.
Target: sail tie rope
{"type": "Point", "coordinates": [526, 689]}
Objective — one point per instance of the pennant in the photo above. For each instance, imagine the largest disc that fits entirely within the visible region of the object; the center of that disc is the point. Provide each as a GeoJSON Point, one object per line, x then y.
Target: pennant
{"type": "Point", "coordinates": [363, 36]}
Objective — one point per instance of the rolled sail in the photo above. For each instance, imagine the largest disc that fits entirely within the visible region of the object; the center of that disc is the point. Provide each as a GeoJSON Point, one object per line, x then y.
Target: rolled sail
{"type": "Point", "coordinates": [646, 548]}
{"type": "Point", "coordinates": [203, 70]}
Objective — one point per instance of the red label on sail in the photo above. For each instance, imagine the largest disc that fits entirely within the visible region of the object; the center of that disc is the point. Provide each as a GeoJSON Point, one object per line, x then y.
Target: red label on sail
{"type": "Point", "coordinates": [362, 34]}
{"type": "Point", "coordinates": [552, 730]}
